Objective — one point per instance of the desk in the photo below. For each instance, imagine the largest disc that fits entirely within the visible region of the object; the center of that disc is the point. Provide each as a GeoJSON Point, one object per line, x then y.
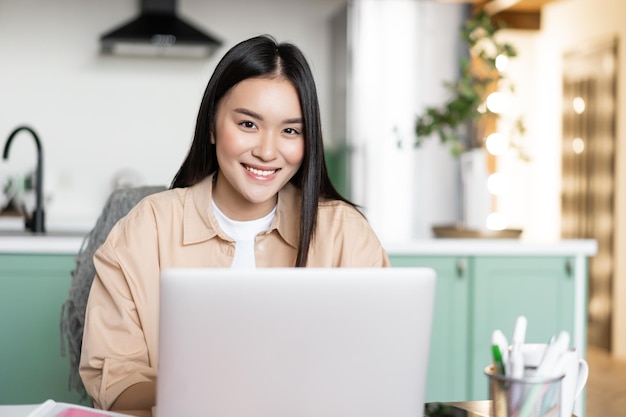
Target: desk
{"type": "Point", "coordinates": [16, 410]}
{"type": "Point", "coordinates": [476, 408]}
{"type": "Point", "coordinates": [26, 409]}
{"type": "Point", "coordinates": [482, 408]}
{"type": "Point", "coordinates": [479, 408]}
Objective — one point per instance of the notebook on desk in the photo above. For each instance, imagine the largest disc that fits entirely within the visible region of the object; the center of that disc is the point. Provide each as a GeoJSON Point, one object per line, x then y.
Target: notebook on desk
{"type": "Point", "coordinates": [294, 342]}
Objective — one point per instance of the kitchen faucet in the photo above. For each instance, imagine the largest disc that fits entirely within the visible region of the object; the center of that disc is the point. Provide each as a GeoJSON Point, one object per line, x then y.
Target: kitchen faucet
{"type": "Point", "coordinates": [35, 222]}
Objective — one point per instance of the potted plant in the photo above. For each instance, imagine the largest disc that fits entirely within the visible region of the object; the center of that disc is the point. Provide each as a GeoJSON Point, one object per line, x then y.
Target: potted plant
{"type": "Point", "coordinates": [460, 122]}
{"type": "Point", "coordinates": [468, 118]}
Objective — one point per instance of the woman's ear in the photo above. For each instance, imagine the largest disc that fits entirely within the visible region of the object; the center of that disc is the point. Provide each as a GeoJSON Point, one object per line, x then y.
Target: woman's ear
{"type": "Point", "coordinates": [212, 139]}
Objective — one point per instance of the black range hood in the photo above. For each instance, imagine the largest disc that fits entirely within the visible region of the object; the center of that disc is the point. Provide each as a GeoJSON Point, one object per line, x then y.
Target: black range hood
{"type": "Point", "coordinates": [158, 30]}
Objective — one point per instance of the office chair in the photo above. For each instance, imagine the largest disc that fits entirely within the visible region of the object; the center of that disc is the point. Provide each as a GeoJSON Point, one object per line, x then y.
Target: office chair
{"type": "Point", "coordinates": [72, 320]}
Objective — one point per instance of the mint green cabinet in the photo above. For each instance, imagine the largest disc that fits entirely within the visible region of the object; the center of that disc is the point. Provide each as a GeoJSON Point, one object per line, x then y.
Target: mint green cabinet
{"type": "Point", "coordinates": [477, 294]}
{"type": "Point", "coordinates": [32, 289]}
{"type": "Point", "coordinates": [539, 288]}
{"type": "Point", "coordinates": [448, 358]}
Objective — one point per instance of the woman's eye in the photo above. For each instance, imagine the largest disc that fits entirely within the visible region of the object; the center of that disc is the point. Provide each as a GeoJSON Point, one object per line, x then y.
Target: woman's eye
{"type": "Point", "coordinates": [247, 124]}
{"type": "Point", "coordinates": [291, 131]}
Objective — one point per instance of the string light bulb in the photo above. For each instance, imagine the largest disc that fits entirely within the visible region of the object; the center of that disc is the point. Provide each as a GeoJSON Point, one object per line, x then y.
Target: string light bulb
{"type": "Point", "coordinates": [496, 143]}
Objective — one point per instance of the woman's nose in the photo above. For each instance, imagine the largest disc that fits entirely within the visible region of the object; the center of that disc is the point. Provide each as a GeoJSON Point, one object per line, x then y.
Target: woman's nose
{"type": "Point", "coordinates": [266, 147]}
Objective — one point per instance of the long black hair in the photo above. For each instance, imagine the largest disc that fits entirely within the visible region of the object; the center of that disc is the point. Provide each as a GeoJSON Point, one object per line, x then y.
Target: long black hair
{"type": "Point", "coordinates": [262, 56]}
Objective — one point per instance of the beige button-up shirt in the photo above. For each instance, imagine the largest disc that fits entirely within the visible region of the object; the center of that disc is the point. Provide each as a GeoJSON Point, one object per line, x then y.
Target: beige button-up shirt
{"type": "Point", "coordinates": [177, 228]}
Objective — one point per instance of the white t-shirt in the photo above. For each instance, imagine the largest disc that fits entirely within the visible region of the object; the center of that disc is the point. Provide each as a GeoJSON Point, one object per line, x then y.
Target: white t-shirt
{"type": "Point", "coordinates": [244, 234]}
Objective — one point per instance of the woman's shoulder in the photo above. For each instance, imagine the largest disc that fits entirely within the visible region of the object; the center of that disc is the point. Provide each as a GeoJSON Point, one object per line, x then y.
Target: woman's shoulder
{"type": "Point", "coordinates": [147, 215]}
{"type": "Point", "coordinates": [343, 230]}
{"type": "Point", "coordinates": [165, 197]}
{"type": "Point", "coordinates": [339, 210]}
{"type": "Point", "coordinates": [152, 206]}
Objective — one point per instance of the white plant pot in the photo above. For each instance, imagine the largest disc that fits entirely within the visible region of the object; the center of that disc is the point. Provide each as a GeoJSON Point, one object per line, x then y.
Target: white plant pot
{"type": "Point", "coordinates": [476, 197]}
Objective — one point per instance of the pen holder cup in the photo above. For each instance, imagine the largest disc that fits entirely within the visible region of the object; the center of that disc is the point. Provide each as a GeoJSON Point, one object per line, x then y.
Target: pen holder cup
{"type": "Point", "coordinates": [529, 396]}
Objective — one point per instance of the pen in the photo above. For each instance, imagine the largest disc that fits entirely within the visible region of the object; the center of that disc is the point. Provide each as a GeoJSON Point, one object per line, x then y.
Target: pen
{"type": "Point", "coordinates": [553, 351]}
{"type": "Point", "coordinates": [497, 359]}
{"type": "Point", "coordinates": [516, 359]}
{"type": "Point", "coordinates": [500, 351]}
{"type": "Point", "coordinates": [519, 332]}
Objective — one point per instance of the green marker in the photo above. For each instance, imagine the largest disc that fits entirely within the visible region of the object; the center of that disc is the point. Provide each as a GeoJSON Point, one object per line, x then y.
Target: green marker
{"type": "Point", "coordinates": [497, 359]}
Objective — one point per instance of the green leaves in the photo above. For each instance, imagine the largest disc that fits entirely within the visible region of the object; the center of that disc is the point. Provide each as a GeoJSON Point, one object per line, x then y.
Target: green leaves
{"type": "Point", "coordinates": [449, 121]}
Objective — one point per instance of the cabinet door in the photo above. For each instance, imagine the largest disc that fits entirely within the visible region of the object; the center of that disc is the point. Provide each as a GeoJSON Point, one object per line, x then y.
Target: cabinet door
{"type": "Point", "coordinates": [448, 358]}
{"type": "Point", "coordinates": [32, 290]}
{"type": "Point", "coordinates": [540, 288]}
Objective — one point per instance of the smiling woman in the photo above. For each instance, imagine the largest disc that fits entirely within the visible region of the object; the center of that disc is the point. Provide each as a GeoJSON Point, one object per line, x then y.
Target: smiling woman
{"type": "Point", "coordinates": [252, 192]}
{"type": "Point", "coordinates": [259, 146]}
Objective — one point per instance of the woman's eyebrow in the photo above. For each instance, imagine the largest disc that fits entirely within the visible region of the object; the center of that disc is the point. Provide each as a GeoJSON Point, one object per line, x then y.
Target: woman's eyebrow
{"type": "Point", "coordinates": [248, 112]}
{"type": "Point", "coordinates": [257, 116]}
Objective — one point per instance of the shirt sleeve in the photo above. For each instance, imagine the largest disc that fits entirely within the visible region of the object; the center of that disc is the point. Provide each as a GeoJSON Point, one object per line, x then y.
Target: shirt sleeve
{"type": "Point", "coordinates": [120, 329]}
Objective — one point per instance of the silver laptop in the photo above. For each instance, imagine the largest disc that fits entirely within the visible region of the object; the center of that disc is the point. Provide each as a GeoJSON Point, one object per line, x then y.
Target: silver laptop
{"type": "Point", "coordinates": [294, 342]}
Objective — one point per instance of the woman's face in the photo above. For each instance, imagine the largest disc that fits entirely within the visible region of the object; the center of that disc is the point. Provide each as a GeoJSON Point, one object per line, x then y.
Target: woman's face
{"type": "Point", "coordinates": [259, 144]}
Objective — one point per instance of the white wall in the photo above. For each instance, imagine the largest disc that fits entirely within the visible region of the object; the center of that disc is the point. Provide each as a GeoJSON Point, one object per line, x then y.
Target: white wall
{"type": "Point", "coordinates": [99, 115]}
{"type": "Point", "coordinates": [401, 52]}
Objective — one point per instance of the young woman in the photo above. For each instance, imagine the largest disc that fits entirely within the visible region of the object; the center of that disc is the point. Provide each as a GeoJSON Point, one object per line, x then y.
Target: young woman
{"type": "Point", "coordinates": [253, 191]}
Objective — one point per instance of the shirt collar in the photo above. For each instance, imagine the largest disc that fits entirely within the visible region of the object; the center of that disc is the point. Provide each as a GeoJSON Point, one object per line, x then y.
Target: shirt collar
{"type": "Point", "coordinates": [200, 224]}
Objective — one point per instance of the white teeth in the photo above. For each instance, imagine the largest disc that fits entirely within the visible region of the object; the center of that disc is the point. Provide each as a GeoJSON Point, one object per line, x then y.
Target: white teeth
{"type": "Point", "coordinates": [259, 172]}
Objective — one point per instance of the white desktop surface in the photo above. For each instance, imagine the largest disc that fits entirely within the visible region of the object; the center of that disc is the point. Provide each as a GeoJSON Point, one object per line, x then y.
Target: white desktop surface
{"type": "Point", "coordinates": [48, 408]}
{"type": "Point", "coordinates": [17, 410]}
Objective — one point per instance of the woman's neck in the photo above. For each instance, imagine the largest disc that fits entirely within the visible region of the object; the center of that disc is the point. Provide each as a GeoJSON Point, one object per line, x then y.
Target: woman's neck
{"type": "Point", "coordinates": [236, 207]}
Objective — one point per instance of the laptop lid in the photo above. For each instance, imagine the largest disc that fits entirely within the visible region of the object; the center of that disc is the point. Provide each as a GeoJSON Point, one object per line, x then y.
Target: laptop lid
{"type": "Point", "coordinates": [294, 342]}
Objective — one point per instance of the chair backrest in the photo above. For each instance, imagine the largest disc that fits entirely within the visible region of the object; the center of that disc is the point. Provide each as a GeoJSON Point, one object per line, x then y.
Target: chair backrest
{"type": "Point", "coordinates": [72, 321]}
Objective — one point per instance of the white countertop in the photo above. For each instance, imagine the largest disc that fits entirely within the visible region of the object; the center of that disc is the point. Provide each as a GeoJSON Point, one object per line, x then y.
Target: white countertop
{"type": "Point", "coordinates": [61, 237]}
{"type": "Point", "coordinates": [57, 242]}
{"type": "Point", "coordinates": [498, 247]}
{"type": "Point", "coordinates": [52, 243]}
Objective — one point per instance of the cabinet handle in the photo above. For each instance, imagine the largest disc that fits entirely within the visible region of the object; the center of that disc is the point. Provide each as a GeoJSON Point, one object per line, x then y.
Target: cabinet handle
{"type": "Point", "coordinates": [460, 267]}
{"type": "Point", "coordinates": [568, 268]}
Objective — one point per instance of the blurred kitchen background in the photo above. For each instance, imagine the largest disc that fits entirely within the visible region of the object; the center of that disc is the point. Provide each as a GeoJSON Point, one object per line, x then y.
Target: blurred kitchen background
{"type": "Point", "coordinates": [112, 120]}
